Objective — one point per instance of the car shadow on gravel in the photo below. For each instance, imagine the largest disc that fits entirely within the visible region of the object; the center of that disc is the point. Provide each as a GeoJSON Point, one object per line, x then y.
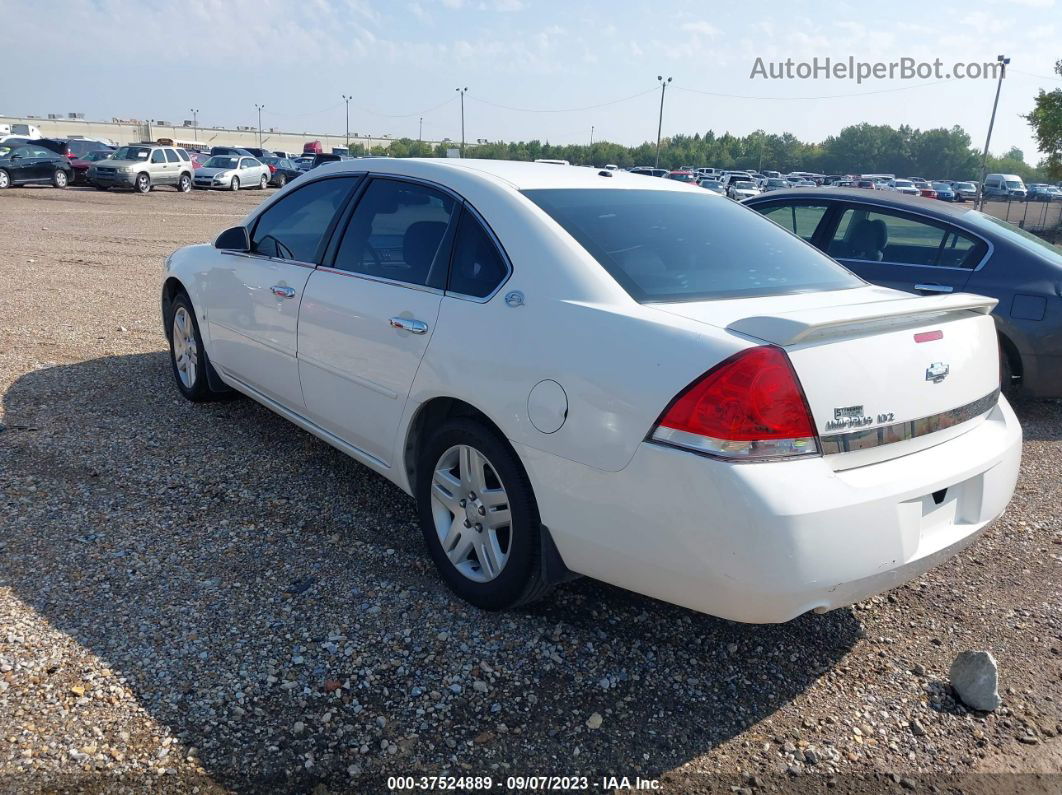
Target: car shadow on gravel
{"type": "Point", "coordinates": [270, 602]}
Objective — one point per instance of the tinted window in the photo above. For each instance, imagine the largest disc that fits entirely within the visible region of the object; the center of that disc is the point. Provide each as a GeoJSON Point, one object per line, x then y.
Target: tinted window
{"type": "Point", "coordinates": [800, 219]}
{"type": "Point", "coordinates": [398, 232]}
{"type": "Point", "coordinates": [678, 246]}
{"type": "Point", "coordinates": [158, 157]}
{"type": "Point", "coordinates": [171, 156]}
{"type": "Point", "coordinates": [294, 226]}
{"type": "Point", "coordinates": [891, 237]}
{"type": "Point", "coordinates": [183, 155]}
{"type": "Point", "coordinates": [477, 267]}
{"type": "Point", "coordinates": [248, 163]}
{"type": "Point", "coordinates": [1016, 235]}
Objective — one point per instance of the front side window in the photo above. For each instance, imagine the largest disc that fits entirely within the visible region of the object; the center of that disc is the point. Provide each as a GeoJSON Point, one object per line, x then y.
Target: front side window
{"type": "Point", "coordinates": [294, 227]}
{"type": "Point", "coordinates": [800, 219]}
{"type": "Point", "coordinates": [672, 246]}
{"type": "Point", "coordinates": [398, 232]}
{"type": "Point", "coordinates": [171, 156]}
{"type": "Point", "coordinates": [158, 157]}
{"type": "Point", "coordinates": [892, 237]}
{"type": "Point", "coordinates": [477, 267]}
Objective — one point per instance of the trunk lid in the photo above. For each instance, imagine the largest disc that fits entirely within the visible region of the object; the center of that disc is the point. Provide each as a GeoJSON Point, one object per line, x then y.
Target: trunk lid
{"type": "Point", "coordinates": [885, 373]}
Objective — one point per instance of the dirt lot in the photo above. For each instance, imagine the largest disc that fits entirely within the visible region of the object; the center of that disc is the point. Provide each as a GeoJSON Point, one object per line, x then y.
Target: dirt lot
{"type": "Point", "coordinates": [203, 595]}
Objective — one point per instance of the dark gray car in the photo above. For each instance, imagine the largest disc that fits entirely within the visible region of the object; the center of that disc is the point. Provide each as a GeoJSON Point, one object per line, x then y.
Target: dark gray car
{"type": "Point", "coordinates": [926, 247]}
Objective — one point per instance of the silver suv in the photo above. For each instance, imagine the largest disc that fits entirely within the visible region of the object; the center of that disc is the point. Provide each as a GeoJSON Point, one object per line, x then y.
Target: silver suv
{"type": "Point", "coordinates": [142, 167]}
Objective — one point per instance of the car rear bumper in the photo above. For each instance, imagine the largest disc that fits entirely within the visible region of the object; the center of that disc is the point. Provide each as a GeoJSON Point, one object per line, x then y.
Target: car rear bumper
{"type": "Point", "coordinates": [766, 542]}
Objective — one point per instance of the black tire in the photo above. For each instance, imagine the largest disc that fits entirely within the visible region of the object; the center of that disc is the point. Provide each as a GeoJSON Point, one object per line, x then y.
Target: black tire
{"type": "Point", "coordinates": [5, 179]}
{"type": "Point", "coordinates": [1006, 373]}
{"type": "Point", "coordinates": [102, 187]}
{"type": "Point", "coordinates": [520, 580]}
{"type": "Point", "coordinates": [184, 183]}
{"type": "Point", "coordinates": [199, 390]}
{"type": "Point", "coordinates": [235, 184]}
{"type": "Point", "coordinates": [263, 182]}
{"type": "Point", "coordinates": [60, 179]}
{"type": "Point", "coordinates": [282, 180]}
{"type": "Point", "coordinates": [143, 182]}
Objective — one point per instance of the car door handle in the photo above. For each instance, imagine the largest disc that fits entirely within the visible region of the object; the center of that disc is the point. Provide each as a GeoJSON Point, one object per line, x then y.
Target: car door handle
{"type": "Point", "coordinates": [282, 291]}
{"type": "Point", "coordinates": [935, 288]}
{"type": "Point", "coordinates": [410, 325]}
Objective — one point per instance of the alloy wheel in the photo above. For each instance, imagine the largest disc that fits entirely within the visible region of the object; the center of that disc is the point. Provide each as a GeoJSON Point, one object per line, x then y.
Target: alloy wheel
{"type": "Point", "coordinates": [185, 350]}
{"type": "Point", "coordinates": [470, 508]}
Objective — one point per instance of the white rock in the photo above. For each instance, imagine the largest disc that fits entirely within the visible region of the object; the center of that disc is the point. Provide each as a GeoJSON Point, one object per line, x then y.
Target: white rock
{"type": "Point", "coordinates": [975, 679]}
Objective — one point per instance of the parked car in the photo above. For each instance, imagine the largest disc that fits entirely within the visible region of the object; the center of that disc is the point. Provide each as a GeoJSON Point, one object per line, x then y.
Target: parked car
{"type": "Point", "coordinates": [682, 176]}
{"type": "Point", "coordinates": [27, 164]}
{"type": "Point", "coordinates": [933, 248]}
{"type": "Point", "coordinates": [229, 150]}
{"type": "Point", "coordinates": [281, 171]}
{"type": "Point", "coordinates": [964, 191]}
{"type": "Point", "coordinates": [328, 157]}
{"type": "Point", "coordinates": [142, 167]}
{"type": "Point", "coordinates": [903, 186]}
{"type": "Point", "coordinates": [230, 172]}
{"type": "Point", "coordinates": [260, 153]}
{"type": "Point", "coordinates": [81, 165]}
{"type": "Point", "coordinates": [304, 164]}
{"type": "Point", "coordinates": [944, 191]}
{"type": "Point", "coordinates": [1004, 186]}
{"type": "Point", "coordinates": [775, 183]}
{"type": "Point", "coordinates": [927, 192]}
{"type": "Point", "coordinates": [713, 185]}
{"type": "Point", "coordinates": [741, 189]}
{"type": "Point", "coordinates": [1041, 193]}
{"type": "Point", "coordinates": [672, 420]}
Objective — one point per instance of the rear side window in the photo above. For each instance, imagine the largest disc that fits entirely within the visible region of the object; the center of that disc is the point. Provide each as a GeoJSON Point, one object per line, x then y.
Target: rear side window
{"type": "Point", "coordinates": [663, 245]}
{"type": "Point", "coordinates": [477, 267]}
{"type": "Point", "coordinates": [183, 155]}
{"type": "Point", "coordinates": [399, 232]}
{"type": "Point", "coordinates": [171, 156]}
{"type": "Point", "coordinates": [294, 226]}
{"type": "Point", "coordinates": [909, 240]}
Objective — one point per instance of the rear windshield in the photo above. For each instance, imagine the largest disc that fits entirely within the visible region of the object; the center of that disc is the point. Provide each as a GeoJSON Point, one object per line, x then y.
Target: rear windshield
{"type": "Point", "coordinates": [132, 153]}
{"type": "Point", "coordinates": [221, 161]}
{"type": "Point", "coordinates": [677, 246]}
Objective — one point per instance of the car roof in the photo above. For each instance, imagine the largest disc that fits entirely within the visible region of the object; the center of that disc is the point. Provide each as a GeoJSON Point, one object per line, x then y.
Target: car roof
{"type": "Point", "coordinates": [886, 198]}
{"type": "Point", "coordinates": [518, 174]}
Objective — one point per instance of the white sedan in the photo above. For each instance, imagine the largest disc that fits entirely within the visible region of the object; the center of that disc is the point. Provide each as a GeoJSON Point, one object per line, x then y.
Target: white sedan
{"type": "Point", "coordinates": [232, 172]}
{"type": "Point", "coordinates": [582, 371]}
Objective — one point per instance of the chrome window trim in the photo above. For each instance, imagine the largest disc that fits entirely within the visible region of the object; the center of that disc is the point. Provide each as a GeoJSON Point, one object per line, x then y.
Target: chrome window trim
{"type": "Point", "coordinates": [279, 260]}
{"type": "Point", "coordinates": [380, 279]}
{"type": "Point", "coordinates": [911, 429]}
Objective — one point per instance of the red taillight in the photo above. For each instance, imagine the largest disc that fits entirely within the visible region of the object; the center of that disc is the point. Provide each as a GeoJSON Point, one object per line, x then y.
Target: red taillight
{"type": "Point", "coordinates": [272, 169]}
{"type": "Point", "coordinates": [750, 406]}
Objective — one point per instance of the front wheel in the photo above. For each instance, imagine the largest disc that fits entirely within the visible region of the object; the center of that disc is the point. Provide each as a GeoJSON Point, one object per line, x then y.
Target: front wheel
{"type": "Point", "coordinates": [235, 184]}
{"type": "Point", "coordinates": [184, 184]}
{"type": "Point", "coordinates": [263, 182]}
{"type": "Point", "coordinates": [59, 178]}
{"type": "Point", "coordinates": [188, 356]}
{"type": "Point", "coordinates": [5, 179]}
{"type": "Point", "coordinates": [143, 183]}
{"type": "Point", "coordinates": [479, 517]}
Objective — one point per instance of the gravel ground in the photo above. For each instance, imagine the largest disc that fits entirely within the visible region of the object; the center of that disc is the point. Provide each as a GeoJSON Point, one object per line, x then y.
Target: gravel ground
{"type": "Point", "coordinates": [204, 596]}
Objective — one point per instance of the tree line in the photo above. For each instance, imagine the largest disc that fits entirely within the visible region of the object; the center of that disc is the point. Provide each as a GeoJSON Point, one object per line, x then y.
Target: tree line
{"type": "Point", "coordinates": [858, 149]}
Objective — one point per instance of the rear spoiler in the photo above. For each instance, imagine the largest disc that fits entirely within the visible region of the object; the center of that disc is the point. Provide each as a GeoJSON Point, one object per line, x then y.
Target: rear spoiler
{"type": "Point", "coordinates": [790, 328]}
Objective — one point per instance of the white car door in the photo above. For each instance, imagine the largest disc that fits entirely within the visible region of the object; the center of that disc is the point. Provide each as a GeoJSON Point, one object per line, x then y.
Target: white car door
{"type": "Point", "coordinates": [366, 319]}
{"type": "Point", "coordinates": [253, 298]}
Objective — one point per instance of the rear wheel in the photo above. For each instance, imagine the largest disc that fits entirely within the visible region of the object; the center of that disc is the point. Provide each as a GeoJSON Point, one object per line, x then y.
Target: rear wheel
{"type": "Point", "coordinates": [282, 180]}
{"type": "Point", "coordinates": [59, 178]}
{"type": "Point", "coordinates": [1006, 372]}
{"type": "Point", "coordinates": [263, 182]}
{"type": "Point", "coordinates": [143, 183]}
{"type": "Point", "coordinates": [5, 179]}
{"type": "Point", "coordinates": [478, 516]}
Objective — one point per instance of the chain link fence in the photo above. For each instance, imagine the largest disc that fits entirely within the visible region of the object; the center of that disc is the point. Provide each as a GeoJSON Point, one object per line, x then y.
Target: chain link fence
{"type": "Point", "coordinates": [1042, 218]}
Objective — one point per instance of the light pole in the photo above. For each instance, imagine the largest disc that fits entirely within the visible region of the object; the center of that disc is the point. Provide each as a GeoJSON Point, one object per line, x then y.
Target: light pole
{"type": "Point", "coordinates": [195, 123]}
{"type": "Point", "coordinates": [462, 92]}
{"type": "Point", "coordinates": [347, 99]}
{"type": "Point", "coordinates": [660, 124]}
{"type": "Point", "coordinates": [420, 130]}
{"type": "Point", "coordinates": [591, 136]}
{"type": "Point", "coordinates": [259, 123]}
{"type": "Point", "coordinates": [1002, 60]}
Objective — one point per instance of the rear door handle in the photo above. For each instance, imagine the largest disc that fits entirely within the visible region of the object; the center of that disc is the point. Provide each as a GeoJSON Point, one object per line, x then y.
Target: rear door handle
{"type": "Point", "coordinates": [283, 291]}
{"type": "Point", "coordinates": [408, 324]}
{"type": "Point", "coordinates": [935, 288]}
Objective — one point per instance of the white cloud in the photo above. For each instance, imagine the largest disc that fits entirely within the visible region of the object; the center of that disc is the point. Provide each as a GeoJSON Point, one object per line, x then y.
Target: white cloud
{"type": "Point", "coordinates": [417, 10]}
{"type": "Point", "coordinates": [701, 27]}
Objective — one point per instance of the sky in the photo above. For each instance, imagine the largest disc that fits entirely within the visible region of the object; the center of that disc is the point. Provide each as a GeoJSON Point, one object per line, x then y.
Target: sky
{"type": "Point", "coordinates": [545, 69]}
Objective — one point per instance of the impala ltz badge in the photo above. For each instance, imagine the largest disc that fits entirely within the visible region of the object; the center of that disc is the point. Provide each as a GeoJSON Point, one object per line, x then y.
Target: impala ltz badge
{"type": "Point", "coordinates": [937, 372]}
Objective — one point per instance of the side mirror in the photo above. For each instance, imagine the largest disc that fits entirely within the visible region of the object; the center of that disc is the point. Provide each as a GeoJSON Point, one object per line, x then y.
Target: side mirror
{"type": "Point", "coordinates": [235, 239]}
{"type": "Point", "coordinates": [15, 156]}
